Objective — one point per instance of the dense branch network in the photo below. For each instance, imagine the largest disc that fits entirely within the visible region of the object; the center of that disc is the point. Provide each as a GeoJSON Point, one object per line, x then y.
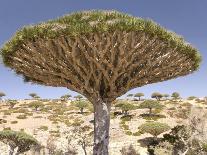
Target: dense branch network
{"type": "Point", "coordinates": [100, 65]}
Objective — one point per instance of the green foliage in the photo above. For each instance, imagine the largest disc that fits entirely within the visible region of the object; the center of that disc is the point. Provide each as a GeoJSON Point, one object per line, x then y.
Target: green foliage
{"type": "Point", "coordinates": [43, 128]}
{"type": "Point", "coordinates": [17, 139]}
{"type": "Point", "coordinates": [82, 23]}
{"type": "Point", "coordinates": [81, 104]}
{"type": "Point", "coordinates": [192, 97]}
{"type": "Point", "coordinates": [125, 106]}
{"type": "Point", "coordinates": [78, 97]}
{"type": "Point", "coordinates": [33, 95]}
{"type": "Point", "coordinates": [12, 103]}
{"type": "Point", "coordinates": [156, 95]}
{"type": "Point", "coordinates": [154, 128]}
{"type": "Point", "coordinates": [129, 95]}
{"type": "Point", "coordinates": [23, 116]}
{"type": "Point", "coordinates": [36, 104]}
{"type": "Point", "coordinates": [152, 117]}
{"type": "Point", "coordinates": [129, 133]}
{"type": "Point", "coordinates": [65, 97]}
{"type": "Point", "coordinates": [175, 95]}
{"type": "Point", "coordinates": [139, 95]}
{"type": "Point", "coordinates": [77, 122]}
{"type": "Point", "coordinates": [126, 118]}
{"type": "Point", "coordinates": [14, 122]}
{"type": "Point", "coordinates": [129, 151]}
{"type": "Point", "coordinates": [138, 133]}
{"type": "Point", "coordinates": [150, 104]}
{"type": "Point", "coordinates": [3, 121]}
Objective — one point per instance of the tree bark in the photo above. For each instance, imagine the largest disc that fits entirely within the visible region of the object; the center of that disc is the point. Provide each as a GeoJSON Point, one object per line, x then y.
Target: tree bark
{"type": "Point", "coordinates": [101, 127]}
{"type": "Point", "coordinates": [81, 110]}
{"type": "Point", "coordinates": [11, 150]}
{"type": "Point", "coordinates": [150, 111]}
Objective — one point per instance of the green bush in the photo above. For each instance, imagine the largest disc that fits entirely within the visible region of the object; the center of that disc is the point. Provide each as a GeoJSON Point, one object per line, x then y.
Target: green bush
{"type": "Point", "coordinates": [153, 128]}
{"type": "Point", "coordinates": [152, 117]}
{"type": "Point", "coordinates": [3, 121]}
{"type": "Point", "coordinates": [126, 118]}
{"type": "Point", "coordinates": [191, 97]}
{"type": "Point", "coordinates": [43, 128]}
{"type": "Point", "coordinates": [23, 116]}
{"type": "Point", "coordinates": [138, 133]}
{"type": "Point", "coordinates": [128, 133]}
{"type": "Point", "coordinates": [129, 151]}
{"type": "Point", "coordinates": [14, 122]}
{"type": "Point", "coordinates": [7, 113]}
{"type": "Point", "coordinates": [7, 128]}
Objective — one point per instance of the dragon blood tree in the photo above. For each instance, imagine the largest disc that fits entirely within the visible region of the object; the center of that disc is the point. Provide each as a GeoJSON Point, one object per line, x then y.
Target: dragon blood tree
{"type": "Point", "coordinates": [101, 55]}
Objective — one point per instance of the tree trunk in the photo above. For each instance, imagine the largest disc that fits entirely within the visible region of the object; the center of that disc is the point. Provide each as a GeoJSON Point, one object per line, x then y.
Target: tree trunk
{"type": "Point", "coordinates": [11, 150]}
{"type": "Point", "coordinates": [139, 98]}
{"type": "Point", "coordinates": [150, 111]}
{"type": "Point", "coordinates": [101, 127]}
{"type": "Point", "coordinates": [81, 110]}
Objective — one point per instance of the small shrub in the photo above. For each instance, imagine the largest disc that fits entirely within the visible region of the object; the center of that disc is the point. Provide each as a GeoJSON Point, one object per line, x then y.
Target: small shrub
{"type": "Point", "coordinates": [138, 133]}
{"type": "Point", "coordinates": [7, 128]}
{"type": "Point", "coordinates": [191, 97]}
{"type": "Point", "coordinates": [126, 118]}
{"type": "Point", "coordinates": [43, 128]}
{"type": "Point", "coordinates": [7, 113]}
{"type": "Point", "coordinates": [152, 117]}
{"type": "Point", "coordinates": [125, 127]}
{"type": "Point", "coordinates": [128, 133]}
{"type": "Point", "coordinates": [129, 151]}
{"type": "Point", "coordinates": [22, 117]}
{"type": "Point", "coordinates": [3, 121]}
{"type": "Point", "coordinates": [163, 148]}
{"type": "Point", "coordinates": [37, 117]}
{"type": "Point", "coordinates": [172, 108]}
{"type": "Point", "coordinates": [186, 104]}
{"type": "Point", "coordinates": [14, 122]}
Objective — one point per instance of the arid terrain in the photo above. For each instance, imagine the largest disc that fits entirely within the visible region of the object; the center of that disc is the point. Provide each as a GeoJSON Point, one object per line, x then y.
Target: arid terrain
{"type": "Point", "coordinates": [56, 123]}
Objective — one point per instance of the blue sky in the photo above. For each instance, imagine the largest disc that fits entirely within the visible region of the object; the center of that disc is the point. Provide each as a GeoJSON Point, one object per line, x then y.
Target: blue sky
{"type": "Point", "coordinates": [185, 17]}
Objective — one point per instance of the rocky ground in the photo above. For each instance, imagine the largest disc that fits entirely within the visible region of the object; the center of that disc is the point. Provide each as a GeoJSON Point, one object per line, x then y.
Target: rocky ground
{"type": "Point", "coordinates": [56, 120]}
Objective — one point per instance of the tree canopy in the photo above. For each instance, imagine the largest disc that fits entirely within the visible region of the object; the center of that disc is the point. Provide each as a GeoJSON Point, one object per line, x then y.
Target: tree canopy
{"type": "Point", "coordinates": [150, 104]}
{"type": "Point", "coordinates": [139, 95]}
{"type": "Point", "coordinates": [2, 94]}
{"type": "Point", "coordinates": [54, 53]}
{"type": "Point", "coordinates": [157, 95]}
{"type": "Point", "coordinates": [154, 128]}
{"type": "Point", "coordinates": [175, 95]}
{"type": "Point", "coordinates": [125, 106]}
{"type": "Point", "coordinates": [17, 139]}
